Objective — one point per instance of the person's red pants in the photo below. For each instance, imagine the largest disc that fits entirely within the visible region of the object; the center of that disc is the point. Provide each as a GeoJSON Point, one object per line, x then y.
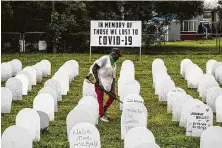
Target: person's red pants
{"type": "Point", "coordinates": [100, 95]}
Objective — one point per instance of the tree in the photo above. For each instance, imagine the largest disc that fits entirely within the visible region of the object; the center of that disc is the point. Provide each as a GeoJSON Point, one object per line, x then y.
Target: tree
{"type": "Point", "coordinates": [73, 17]}
{"type": "Point", "coordinates": [64, 21]}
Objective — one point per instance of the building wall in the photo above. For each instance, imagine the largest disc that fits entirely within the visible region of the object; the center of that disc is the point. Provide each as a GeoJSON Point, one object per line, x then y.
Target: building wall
{"type": "Point", "coordinates": [174, 31]}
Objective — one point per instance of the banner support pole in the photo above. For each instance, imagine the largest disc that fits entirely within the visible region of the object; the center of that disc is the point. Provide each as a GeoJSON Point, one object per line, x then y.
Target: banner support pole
{"type": "Point", "coordinates": [90, 54]}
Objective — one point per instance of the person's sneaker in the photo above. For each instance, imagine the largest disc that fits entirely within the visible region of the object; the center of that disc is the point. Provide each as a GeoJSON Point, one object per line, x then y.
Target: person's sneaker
{"type": "Point", "coordinates": [107, 117]}
{"type": "Point", "coordinates": [104, 119]}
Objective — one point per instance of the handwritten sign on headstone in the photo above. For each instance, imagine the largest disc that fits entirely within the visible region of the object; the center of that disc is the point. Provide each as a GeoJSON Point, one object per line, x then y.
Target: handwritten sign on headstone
{"type": "Point", "coordinates": [199, 119]}
{"type": "Point", "coordinates": [84, 135]}
{"type": "Point", "coordinates": [133, 115]}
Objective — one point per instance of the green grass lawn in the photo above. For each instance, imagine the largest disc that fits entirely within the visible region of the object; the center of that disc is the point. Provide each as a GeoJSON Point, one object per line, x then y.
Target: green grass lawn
{"type": "Point", "coordinates": [186, 47]}
{"type": "Point", "coordinates": [168, 134]}
{"type": "Point", "coordinates": [191, 43]}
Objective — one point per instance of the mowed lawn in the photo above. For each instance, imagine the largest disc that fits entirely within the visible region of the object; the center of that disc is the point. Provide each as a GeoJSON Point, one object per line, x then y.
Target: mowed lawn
{"type": "Point", "coordinates": [168, 134]}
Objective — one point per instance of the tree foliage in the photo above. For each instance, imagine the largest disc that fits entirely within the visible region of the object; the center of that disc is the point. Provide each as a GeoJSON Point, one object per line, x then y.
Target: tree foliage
{"type": "Point", "coordinates": [73, 17]}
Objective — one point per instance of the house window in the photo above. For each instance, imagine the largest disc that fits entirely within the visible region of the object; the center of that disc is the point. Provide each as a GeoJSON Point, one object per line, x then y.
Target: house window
{"type": "Point", "coordinates": [189, 25]}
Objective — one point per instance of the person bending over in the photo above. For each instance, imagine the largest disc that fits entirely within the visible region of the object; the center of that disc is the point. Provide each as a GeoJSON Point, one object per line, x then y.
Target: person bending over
{"type": "Point", "coordinates": [104, 71]}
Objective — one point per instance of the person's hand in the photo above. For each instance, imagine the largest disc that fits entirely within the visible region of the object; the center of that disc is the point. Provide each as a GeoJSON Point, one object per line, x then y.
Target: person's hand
{"type": "Point", "coordinates": [113, 93]}
{"type": "Point", "coordinates": [97, 82]}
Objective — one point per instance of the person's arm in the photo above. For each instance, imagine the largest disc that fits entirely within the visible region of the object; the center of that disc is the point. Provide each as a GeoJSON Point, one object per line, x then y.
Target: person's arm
{"type": "Point", "coordinates": [113, 83]}
{"type": "Point", "coordinates": [95, 73]}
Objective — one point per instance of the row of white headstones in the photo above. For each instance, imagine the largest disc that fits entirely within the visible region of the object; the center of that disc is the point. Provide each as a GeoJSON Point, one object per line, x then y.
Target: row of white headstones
{"type": "Point", "coordinates": [81, 124]}
{"type": "Point", "coordinates": [191, 113]}
{"type": "Point", "coordinates": [81, 121]}
{"type": "Point", "coordinates": [206, 84]}
{"type": "Point", "coordinates": [30, 121]}
{"type": "Point", "coordinates": [134, 118]}
{"type": "Point", "coordinates": [19, 86]}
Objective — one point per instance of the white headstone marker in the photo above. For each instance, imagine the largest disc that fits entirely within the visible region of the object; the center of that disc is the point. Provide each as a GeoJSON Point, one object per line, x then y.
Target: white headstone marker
{"type": "Point", "coordinates": [212, 95]}
{"type": "Point", "coordinates": [6, 71]}
{"type": "Point", "coordinates": [206, 86]}
{"type": "Point", "coordinates": [122, 81]}
{"type": "Point", "coordinates": [156, 63]}
{"type": "Point", "coordinates": [63, 79]}
{"type": "Point", "coordinates": [172, 96]}
{"type": "Point", "coordinates": [6, 100]}
{"type": "Point", "coordinates": [15, 85]}
{"type": "Point", "coordinates": [39, 72]}
{"type": "Point", "coordinates": [45, 69]}
{"type": "Point", "coordinates": [56, 86]}
{"type": "Point", "coordinates": [53, 93]}
{"type": "Point", "coordinates": [29, 76]}
{"type": "Point", "coordinates": [88, 89]}
{"type": "Point", "coordinates": [165, 87]}
{"type": "Point", "coordinates": [32, 71]}
{"type": "Point", "coordinates": [138, 135]}
{"type": "Point", "coordinates": [77, 116]}
{"type": "Point", "coordinates": [44, 102]}
{"type": "Point", "coordinates": [92, 103]}
{"type": "Point", "coordinates": [218, 105]}
{"type": "Point", "coordinates": [183, 65]}
{"type": "Point", "coordinates": [198, 120]}
{"type": "Point", "coordinates": [203, 79]}
{"type": "Point", "coordinates": [29, 119]}
{"type": "Point", "coordinates": [70, 67]}
{"type": "Point", "coordinates": [76, 66]}
{"type": "Point", "coordinates": [186, 110]}
{"type": "Point", "coordinates": [218, 74]}
{"type": "Point", "coordinates": [215, 65]}
{"type": "Point", "coordinates": [16, 137]}
{"type": "Point", "coordinates": [211, 137]}
{"type": "Point", "coordinates": [178, 105]}
{"type": "Point", "coordinates": [48, 66]}
{"type": "Point", "coordinates": [134, 98]}
{"type": "Point", "coordinates": [129, 88]}
{"type": "Point", "coordinates": [84, 135]}
{"type": "Point", "coordinates": [16, 66]}
{"type": "Point", "coordinates": [209, 65]}
{"type": "Point", "coordinates": [132, 116]}
{"type": "Point", "coordinates": [25, 83]}
{"type": "Point", "coordinates": [90, 109]}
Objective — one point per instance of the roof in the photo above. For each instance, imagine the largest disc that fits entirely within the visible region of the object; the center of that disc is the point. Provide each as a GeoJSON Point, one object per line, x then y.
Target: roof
{"type": "Point", "coordinates": [164, 18]}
